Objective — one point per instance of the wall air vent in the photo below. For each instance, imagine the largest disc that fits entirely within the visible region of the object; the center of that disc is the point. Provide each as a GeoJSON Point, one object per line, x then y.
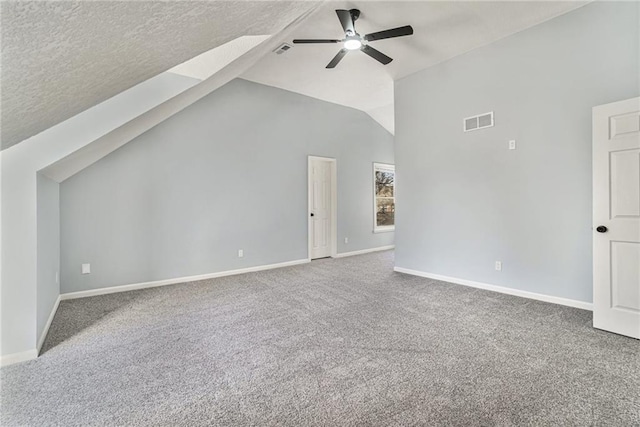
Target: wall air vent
{"type": "Point", "coordinates": [480, 121]}
{"type": "Point", "coordinates": [282, 48]}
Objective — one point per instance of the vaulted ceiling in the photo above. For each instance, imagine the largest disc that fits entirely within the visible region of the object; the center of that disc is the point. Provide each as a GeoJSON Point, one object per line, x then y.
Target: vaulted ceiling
{"type": "Point", "coordinates": [442, 30]}
{"type": "Point", "coordinates": [61, 58]}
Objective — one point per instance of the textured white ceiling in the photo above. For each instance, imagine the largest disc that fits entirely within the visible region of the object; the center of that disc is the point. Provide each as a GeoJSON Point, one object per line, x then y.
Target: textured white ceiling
{"type": "Point", "coordinates": [62, 57]}
{"type": "Point", "coordinates": [442, 30]}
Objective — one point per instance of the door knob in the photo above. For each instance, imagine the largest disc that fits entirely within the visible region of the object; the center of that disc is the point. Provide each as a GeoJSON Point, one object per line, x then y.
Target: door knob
{"type": "Point", "coordinates": [312, 214]}
{"type": "Point", "coordinates": [601, 229]}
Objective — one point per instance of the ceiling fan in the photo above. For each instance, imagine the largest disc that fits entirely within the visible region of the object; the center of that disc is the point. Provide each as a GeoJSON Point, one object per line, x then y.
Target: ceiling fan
{"type": "Point", "coordinates": [354, 41]}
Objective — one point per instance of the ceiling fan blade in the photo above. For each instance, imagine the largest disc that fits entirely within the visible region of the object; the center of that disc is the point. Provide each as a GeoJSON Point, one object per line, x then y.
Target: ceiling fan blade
{"type": "Point", "coordinates": [297, 41]}
{"type": "Point", "coordinates": [407, 30]}
{"type": "Point", "coordinates": [346, 20]}
{"type": "Point", "coordinates": [376, 54]}
{"type": "Point", "coordinates": [337, 58]}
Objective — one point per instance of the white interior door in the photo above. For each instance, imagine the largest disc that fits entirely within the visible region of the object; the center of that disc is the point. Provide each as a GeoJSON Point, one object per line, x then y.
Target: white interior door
{"type": "Point", "coordinates": [616, 216]}
{"type": "Point", "coordinates": [320, 207]}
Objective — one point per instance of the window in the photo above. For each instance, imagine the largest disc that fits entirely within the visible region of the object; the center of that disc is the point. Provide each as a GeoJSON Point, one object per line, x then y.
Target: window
{"type": "Point", "coordinates": [384, 197]}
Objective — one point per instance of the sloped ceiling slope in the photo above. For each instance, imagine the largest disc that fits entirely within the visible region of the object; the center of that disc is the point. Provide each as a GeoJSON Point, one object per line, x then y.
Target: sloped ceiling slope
{"type": "Point", "coordinates": [442, 30]}
{"type": "Point", "coordinates": [61, 58]}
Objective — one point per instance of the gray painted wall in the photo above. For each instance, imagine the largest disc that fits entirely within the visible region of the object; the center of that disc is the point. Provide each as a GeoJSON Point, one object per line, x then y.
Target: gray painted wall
{"type": "Point", "coordinates": [19, 168]}
{"type": "Point", "coordinates": [48, 289]}
{"type": "Point", "coordinates": [465, 200]}
{"type": "Point", "coordinates": [227, 173]}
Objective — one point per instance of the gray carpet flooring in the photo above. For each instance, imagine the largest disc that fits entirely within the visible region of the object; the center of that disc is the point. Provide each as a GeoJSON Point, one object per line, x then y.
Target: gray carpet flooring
{"type": "Point", "coordinates": [335, 342]}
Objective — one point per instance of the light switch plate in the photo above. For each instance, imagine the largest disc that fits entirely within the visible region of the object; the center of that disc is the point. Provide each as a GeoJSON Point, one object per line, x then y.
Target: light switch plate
{"type": "Point", "coordinates": [86, 268]}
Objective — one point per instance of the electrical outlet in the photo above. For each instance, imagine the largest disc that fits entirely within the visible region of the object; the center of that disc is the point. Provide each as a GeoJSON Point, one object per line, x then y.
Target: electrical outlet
{"type": "Point", "coordinates": [512, 144]}
{"type": "Point", "coordinates": [498, 266]}
{"type": "Point", "coordinates": [240, 253]}
{"type": "Point", "coordinates": [346, 240]}
{"type": "Point", "coordinates": [86, 268]}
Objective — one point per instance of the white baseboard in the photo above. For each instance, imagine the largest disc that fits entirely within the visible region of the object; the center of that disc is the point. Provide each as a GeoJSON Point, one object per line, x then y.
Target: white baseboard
{"type": "Point", "coordinates": [45, 331]}
{"type": "Point", "coordinates": [156, 283]}
{"type": "Point", "coordinates": [364, 251]}
{"type": "Point", "coordinates": [23, 356]}
{"type": "Point", "coordinates": [503, 290]}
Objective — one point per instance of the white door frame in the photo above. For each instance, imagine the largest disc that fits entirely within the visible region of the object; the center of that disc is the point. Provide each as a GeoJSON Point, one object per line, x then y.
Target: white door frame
{"type": "Point", "coordinates": [334, 205]}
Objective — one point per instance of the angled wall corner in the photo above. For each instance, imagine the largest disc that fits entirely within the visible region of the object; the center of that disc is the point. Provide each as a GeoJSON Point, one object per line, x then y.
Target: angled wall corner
{"type": "Point", "coordinates": [67, 148]}
{"type": "Point", "coordinates": [48, 251]}
{"type": "Point", "coordinates": [20, 183]}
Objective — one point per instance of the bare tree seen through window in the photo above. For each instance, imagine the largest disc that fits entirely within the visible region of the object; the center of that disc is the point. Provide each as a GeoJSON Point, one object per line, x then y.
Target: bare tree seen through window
{"type": "Point", "coordinates": [385, 196]}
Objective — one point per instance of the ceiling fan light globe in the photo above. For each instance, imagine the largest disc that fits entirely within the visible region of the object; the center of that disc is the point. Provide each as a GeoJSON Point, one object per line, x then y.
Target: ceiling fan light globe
{"type": "Point", "coordinates": [352, 44]}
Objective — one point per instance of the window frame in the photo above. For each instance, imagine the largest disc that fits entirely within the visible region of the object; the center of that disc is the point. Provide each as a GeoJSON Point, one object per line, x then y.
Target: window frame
{"type": "Point", "coordinates": [384, 167]}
